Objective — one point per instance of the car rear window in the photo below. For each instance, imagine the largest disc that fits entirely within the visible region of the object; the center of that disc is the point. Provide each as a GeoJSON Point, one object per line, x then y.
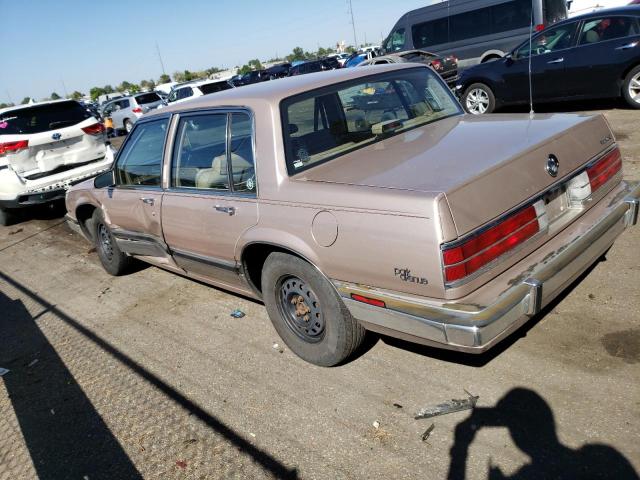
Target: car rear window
{"type": "Point", "coordinates": [332, 121]}
{"type": "Point", "coordinates": [148, 98]}
{"type": "Point", "coordinates": [214, 87]}
{"type": "Point", "coordinates": [42, 118]}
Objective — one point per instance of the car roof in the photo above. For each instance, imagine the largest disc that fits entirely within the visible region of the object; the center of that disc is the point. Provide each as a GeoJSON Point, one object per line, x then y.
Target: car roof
{"type": "Point", "coordinates": [29, 105]}
{"type": "Point", "coordinates": [275, 91]}
{"type": "Point", "coordinates": [626, 10]}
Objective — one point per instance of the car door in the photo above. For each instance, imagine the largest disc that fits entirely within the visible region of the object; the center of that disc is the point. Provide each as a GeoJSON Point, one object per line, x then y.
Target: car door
{"type": "Point", "coordinates": [118, 113]}
{"type": "Point", "coordinates": [132, 206]}
{"type": "Point", "coordinates": [550, 50]}
{"type": "Point", "coordinates": [607, 46]}
{"type": "Point", "coordinates": [211, 199]}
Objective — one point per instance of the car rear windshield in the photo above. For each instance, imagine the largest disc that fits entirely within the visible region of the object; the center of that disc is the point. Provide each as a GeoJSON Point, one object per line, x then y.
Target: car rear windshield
{"type": "Point", "coordinates": [148, 98]}
{"type": "Point", "coordinates": [214, 87]}
{"type": "Point", "coordinates": [326, 123]}
{"type": "Point", "coordinates": [42, 118]}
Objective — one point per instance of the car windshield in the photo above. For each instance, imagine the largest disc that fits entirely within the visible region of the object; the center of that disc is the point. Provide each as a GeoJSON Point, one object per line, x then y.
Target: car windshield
{"type": "Point", "coordinates": [148, 98]}
{"type": "Point", "coordinates": [329, 122]}
{"type": "Point", "coordinates": [42, 118]}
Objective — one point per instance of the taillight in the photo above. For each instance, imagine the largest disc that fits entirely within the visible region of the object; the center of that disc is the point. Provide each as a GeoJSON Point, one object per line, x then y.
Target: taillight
{"type": "Point", "coordinates": [436, 64]}
{"type": "Point", "coordinates": [370, 301]}
{"type": "Point", "coordinates": [95, 129]}
{"type": "Point", "coordinates": [464, 259]}
{"type": "Point", "coordinates": [137, 110]}
{"type": "Point", "coordinates": [605, 168]}
{"type": "Point", "coordinates": [539, 27]}
{"type": "Point", "coordinates": [13, 147]}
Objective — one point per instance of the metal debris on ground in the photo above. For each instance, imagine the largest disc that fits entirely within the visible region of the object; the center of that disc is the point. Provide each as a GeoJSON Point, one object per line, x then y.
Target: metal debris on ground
{"type": "Point", "coordinates": [427, 432]}
{"type": "Point", "coordinates": [453, 405]}
{"type": "Point", "coordinates": [3, 371]}
{"type": "Point", "coordinates": [237, 314]}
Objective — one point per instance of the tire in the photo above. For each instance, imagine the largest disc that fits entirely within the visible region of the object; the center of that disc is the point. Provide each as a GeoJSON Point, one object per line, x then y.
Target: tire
{"type": "Point", "coordinates": [128, 126]}
{"type": "Point", "coordinates": [113, 260]}
{"type": "Point", "coordinates": [329, 334]}
{"type": "Point", "coordinates": [631, 88]}
{"type": "Point", "coordinates": [478, 99]}
{"type": "Point", "coordinates": [6, 217]}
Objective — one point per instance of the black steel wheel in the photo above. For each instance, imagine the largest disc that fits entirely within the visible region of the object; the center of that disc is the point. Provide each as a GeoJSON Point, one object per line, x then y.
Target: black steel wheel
{"type": "Point", "coordinates": [113, 260]}
{"type": "Point", "coordinates": [300, 308]}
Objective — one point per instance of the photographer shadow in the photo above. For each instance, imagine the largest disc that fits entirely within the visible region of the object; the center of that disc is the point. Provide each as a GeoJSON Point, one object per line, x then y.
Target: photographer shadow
{"type": "Point", "coordinates": [532, 427]}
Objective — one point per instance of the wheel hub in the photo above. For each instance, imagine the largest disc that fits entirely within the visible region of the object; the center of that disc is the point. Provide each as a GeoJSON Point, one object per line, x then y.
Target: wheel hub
{"type": "Point", "coordinates": [300, 308]}
{"type": "Point", "coordinates": [477, 101]}
{"type": "Point", "coordinates": [105, 241]}
{"type": "Point", "coordinates": [634, 88]}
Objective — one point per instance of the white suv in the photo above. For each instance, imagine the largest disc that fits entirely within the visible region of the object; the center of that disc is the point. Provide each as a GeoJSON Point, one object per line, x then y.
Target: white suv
{"type": "Point", "coordinates": [45, 148]}
{"type": "Point", "coordinates": [182, 93]}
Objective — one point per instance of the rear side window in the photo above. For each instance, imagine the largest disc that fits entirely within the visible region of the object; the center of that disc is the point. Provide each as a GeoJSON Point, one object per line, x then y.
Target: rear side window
{"type": "Point", "coordinates": [214, 87]}
{"type": "Point", "coordinates": [42, 118]}
{"type": "Point", "coordinates": [430, 33]}
{"type": "Point", "coordinates": [148, 98]}
{"type": "Point", "coordinates": [140, 162]}
{"type": "Point", "coordinates": [608, 28]}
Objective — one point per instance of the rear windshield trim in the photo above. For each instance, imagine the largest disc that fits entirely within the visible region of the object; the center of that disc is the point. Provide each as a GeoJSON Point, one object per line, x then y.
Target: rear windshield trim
{"type": "Point", "coordinates": [286, 102]}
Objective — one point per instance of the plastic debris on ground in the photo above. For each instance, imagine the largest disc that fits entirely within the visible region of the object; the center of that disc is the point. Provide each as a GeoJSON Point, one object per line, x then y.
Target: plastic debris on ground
{"type": "Point", "coordinates": [277, 346]}
{"type": "Point", "coordinates": [237, 314]}
{"type": "Point", "coordinates": [451, 406]}
{"type": "Point", "coordinates": [376, 424]}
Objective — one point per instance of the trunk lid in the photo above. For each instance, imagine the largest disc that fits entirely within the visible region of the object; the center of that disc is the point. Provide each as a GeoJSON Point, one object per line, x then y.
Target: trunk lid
{"type": "Point", "coordinates": [484, 165]}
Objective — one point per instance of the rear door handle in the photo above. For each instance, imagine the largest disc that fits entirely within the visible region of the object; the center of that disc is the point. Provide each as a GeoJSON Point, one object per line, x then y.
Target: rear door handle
{"type": "Point", "coordinates": [228, 210]}
{"type": "Point", "coordinates": [148, 201]}
{"type": "Point", "coordinates": [557, 60]}
{"type": "Point", "coordinates": [627, 46]}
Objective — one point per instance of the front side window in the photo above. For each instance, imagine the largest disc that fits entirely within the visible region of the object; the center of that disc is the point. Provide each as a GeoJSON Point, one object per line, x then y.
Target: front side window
{"type": "Point", "coordinates": [140, 161]}
{"type": "Point", "coordinates": [329, 122]}
{"type": "Point", "coordinates": [609, 28]}
{"type": "Point", "coordinates": [550, 40]}
{"type": "Point", "coordinates": [396, 41]}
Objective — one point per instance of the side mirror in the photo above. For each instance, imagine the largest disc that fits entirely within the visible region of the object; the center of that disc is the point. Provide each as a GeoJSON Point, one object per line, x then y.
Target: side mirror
{"type": "Point", "coordinates": [106, 179]}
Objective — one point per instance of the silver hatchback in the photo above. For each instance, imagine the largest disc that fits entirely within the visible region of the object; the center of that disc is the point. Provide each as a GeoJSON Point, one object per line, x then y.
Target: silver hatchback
{"type": "Point", "coordinates": [124, 112]}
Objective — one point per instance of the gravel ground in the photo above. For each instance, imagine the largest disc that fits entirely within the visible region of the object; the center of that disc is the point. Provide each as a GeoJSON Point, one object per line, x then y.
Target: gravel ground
{"type": "Point", "coordinates": [147, 376]}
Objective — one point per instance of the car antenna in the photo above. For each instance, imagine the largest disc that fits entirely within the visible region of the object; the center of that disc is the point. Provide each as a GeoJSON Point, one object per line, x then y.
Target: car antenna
{"type": "Point", "coordinates": [531, 112]}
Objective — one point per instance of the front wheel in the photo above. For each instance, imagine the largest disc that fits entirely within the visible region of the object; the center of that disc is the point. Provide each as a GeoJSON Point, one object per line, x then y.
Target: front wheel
{"type": "Point", "coordinates": [307, 312]}
{"type": "Point", "coordinates": [479, 99]}
{"type": "Point", "coordinates": [128, 126]}
{"type": "Point", "coordinates": [114, 261]}
{"type": "Point", "coordinates": [631, 88]}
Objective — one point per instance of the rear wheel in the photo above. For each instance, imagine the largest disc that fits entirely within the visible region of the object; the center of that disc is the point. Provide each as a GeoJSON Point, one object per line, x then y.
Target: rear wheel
{"type": "Point", "coordinates": [307, 312]}
{"type": "Point", "coordinates": [128, 125]}
{"type": "Point", "coordinates": [113, 260]}
{"type": "Point", "coordinates": [631, 88]}
{"type": "Point", "coordinates": [7, 217]}
{"type": "Point", "coordinates": [479, 99]}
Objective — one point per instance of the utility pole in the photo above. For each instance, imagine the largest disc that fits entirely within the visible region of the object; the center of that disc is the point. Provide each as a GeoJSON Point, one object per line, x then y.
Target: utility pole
{"type": "Point", "coordinates": [64, 87]}
{"type": "Point", "coordinates": [9, 96]}
{"type": "Point", "coordinates": [160, 58]}
{"type": "Point", "coordinates": [353, 24]}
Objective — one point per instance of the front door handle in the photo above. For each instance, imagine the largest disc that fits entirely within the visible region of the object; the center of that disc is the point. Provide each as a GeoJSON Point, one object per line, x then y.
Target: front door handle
{"type": "Point", "coordinates": [228, 210]}
{"type": "Point", "coordinates": [628, 46]}
{"type": "Point", "coordinates": [557, 60]}
{"type": "Point", "coordinates": [148, 201]}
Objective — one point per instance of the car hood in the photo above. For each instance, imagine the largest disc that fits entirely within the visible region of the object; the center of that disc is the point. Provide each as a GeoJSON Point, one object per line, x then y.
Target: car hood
{"type": "Point", "coordinates": [485, 165]}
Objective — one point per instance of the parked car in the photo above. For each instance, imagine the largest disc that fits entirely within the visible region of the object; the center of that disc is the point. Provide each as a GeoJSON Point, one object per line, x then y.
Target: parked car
{"type": "Point", "coordinates": [446, 67]}
{"type": "Point", "coordinates": [313, 66]}
{"type": "Point", "coordinates": [382, 207]}
{"type": "Point", "coordinates": [102, 99]}
{"type": "Point", "coordinates": [280, 70]}
{"type": "Point", "coordinates": [44, 148]}
{"type": "Point", "coordinates": [476, 31]}
{"type": "Point", "coordinates": [255, 76]}
{"type": "Point", "coordinates": [596, 55]}
{"type": "Point", "coordinates": [184, 92]}
{"type": "Point", "coordinates": [356, 59]}
{"type": "Point", "coordinates": [341, 57]}
{"type": "Point", "coordinates": [125, 112]}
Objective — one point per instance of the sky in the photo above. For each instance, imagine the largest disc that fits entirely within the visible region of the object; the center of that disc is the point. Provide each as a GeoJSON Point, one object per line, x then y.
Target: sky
{"type": "Point", "coordinates": [66, 45]}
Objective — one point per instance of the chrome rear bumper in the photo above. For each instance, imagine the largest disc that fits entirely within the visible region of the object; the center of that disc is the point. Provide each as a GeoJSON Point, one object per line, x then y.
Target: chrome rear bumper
{"type": "Point", "coordinates": [470, 328]}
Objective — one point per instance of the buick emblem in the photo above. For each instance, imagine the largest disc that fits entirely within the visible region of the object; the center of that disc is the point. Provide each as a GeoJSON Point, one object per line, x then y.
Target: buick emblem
{"type": "Point", "coordinates": [553, 166]}
{"type": "Point", "coordinates": [56, 136]}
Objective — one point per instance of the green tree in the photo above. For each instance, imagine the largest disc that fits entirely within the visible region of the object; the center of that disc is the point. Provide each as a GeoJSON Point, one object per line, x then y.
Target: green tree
{"type": "Point", "coordinates": [213, 70]}
{"type": "Point", "coordinates": [25, 100]}
{"type": "Point", "coordinates": [76, 95]}
{"type": "Point", "coordinates": [351, 49]}
{"type": "Point", "coordinates": [134, 88]}
{"type": "Point", "coordinates": [95, 92]}
{"type": "Point", "coordinates": [55, 96]}
{"type": "Point", "coordinates": [147, 84]}
{"type": "Point", "coordinates": [108, 89]}
{"type": "Point", "coordinates": [5, 105]}
{"type": "Point", "coordinates": [296, 54]}
{"type": "Point", "coordinates": [164, 78]}
{"type": "Point", "coordinates": [123, 87]}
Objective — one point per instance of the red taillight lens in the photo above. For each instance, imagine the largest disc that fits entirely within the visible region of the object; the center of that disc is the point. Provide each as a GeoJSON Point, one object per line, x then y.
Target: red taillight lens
{"type": "Point", "coordinates": [95, 129]}
{"type": "Point", "coordinates": [436, 64]}
{"type": "Point", "coordinates": [13, 147]}
{"type": "Point", "coordinates": [605, 168]}
{"type": "Point", "coordinates": [367, 300]}
{"type": "Point", "coordinates": [464, 259]}
{"type": "Point", "coordinates": [137, 110]}
{"type": "Point", "coordinates": [539, 27]}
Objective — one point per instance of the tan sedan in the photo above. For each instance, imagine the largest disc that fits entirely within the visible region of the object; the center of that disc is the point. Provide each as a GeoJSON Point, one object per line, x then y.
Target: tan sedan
{"type": "Point", "coordinates": [363, 199]}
